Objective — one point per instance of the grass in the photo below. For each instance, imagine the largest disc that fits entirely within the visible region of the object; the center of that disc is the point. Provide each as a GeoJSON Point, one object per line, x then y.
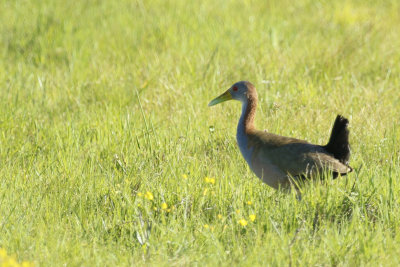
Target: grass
{"type": "Point", "coordinates": [104, 101]}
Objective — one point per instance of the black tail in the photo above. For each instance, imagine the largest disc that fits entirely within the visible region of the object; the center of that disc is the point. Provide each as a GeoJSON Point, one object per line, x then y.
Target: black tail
{"type": "Point", "coordinates": [338, 144]}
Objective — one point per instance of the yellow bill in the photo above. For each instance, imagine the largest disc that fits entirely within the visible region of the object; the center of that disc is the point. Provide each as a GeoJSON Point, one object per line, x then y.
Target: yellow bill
{"type": "Point", "coordinates": [222, 98]}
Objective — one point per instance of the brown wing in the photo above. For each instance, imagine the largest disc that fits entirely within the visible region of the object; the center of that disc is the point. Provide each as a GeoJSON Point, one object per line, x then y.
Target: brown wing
{"type": "Point", "coordinates": [293, 156]}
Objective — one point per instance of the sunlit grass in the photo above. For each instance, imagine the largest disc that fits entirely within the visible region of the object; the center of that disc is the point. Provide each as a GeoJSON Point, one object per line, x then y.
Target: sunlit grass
{"type": "Point", "coordinates": [109, 154]}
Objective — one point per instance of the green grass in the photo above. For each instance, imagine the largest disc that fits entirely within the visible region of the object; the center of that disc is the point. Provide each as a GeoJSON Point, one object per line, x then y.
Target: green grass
{"type": "Point", "coordinates": [101, 100]}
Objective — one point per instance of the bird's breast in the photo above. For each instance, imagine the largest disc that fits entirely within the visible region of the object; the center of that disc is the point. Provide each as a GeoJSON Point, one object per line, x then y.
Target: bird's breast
{"type": "Point", "coordinates": [268, 172]}
{"type": "Point", "coordinates": [243, 143]}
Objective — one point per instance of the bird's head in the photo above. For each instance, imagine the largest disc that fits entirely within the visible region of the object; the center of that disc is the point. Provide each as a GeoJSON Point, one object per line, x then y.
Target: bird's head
{"type": "Point", "coordinates": [239, 91]}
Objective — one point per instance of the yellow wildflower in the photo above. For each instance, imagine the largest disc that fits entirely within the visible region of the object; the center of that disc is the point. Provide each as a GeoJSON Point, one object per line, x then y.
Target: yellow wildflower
{"type": "Point", "coordinates": [252, 217]}
{"type": "Point", "coordinates": [219, 216]}
{"type": "Point", "coordinates": [140, 194]}
{"type": "Point", "coordinates": [206, 226]}
{"type": "Point", "coordinates": [249, 202]}
{"type": "Point", "coordinates": [3, 253]}
{"type": "Point", "coordinates": [149, 195]}
{"type": "Point", "coordinates": [237, 211]}
{"type": "Point", "coordinates": [26, 264]}
{"type": "Point", "coordinates": [6, 260]}
{"type": "Point", "coordinates": [242, 222]}
{"type": "Point", "coordinates": [10, 261]}
{"type": "Point", "coordinates": [209, 180]}
{"type": "Point", "coordinates": [164, 206]}
{"type": "Point", "coordinates": [184, 176]}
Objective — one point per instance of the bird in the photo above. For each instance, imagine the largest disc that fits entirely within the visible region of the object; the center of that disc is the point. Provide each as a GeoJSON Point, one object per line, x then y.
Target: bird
{"type": "Point", "coordinates": [284, 162]}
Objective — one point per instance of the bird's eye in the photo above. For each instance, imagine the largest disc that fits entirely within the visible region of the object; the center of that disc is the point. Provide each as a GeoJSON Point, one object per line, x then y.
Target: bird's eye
{"type": "Point", "coordinates": [235, 88]}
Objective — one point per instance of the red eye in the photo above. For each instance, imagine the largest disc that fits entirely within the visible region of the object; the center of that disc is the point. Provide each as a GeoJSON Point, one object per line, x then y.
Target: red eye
{"type": "Point", "coordinates": [235, 88]}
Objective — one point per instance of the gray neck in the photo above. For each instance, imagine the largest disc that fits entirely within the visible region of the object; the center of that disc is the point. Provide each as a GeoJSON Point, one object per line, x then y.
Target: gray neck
{"type": "Point", "coordinates": [241, 136]}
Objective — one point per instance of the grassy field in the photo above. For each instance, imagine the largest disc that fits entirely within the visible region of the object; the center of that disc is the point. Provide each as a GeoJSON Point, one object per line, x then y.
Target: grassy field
{"type": "Point", "coordinates": [110, 156]}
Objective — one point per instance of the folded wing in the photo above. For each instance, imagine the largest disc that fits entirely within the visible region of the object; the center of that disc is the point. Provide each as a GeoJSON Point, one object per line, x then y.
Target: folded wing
{"type": "Point", "coordinates": [295, 157]}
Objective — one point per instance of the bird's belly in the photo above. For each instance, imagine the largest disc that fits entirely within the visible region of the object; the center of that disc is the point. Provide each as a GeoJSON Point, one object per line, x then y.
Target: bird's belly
{"type": "Point", "coordinates": [269, 173]}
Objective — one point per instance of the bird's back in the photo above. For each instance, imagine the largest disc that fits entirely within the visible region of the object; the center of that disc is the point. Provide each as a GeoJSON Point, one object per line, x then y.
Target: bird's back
{"type": "Point", "coordinates": [294, 157]}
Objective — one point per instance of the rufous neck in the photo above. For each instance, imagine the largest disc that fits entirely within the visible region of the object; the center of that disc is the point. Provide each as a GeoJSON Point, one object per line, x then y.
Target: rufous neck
{"type": "Point", "coordinates": [249, 108]}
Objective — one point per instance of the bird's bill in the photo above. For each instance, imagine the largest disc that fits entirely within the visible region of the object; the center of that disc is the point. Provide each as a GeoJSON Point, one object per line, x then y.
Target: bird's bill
{"type": "Point", "coordinates": [222, 98]}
